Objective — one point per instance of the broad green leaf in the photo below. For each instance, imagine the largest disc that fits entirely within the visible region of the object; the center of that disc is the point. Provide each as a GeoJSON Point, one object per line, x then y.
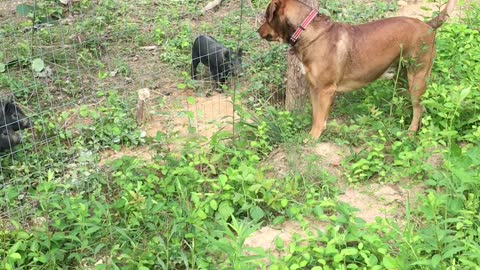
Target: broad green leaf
{"type": "Point", "coordinates": [279, 243]}
{"type": "Point", "coordinates": [116, 131]}
{"type": "Point", "coordinates": [15, 247]}
{"type": "Point", "coordinates": [389, 262]}
{"type": "Point", "coordinates": [222, 180]}
{"type": "Point", "coordinates": [436, 260]}
{"type": "Point", "coordinates": [278, 220]}
{"type": "Point", "coordinates": [465, 92]}
{"type": "Point", "coordinates": [15, 256]}
{"type": "Point", "coordinates": [214, 204]}
{"type": "Point", "coordinates": [349, 251]}
{"type": "Point", "coordinates": [101, 266]}
{"type": "Point", "coordinates": [338, 257]}
{"type": "Point", "coordinates": [225, 209]}
{"type": "Point", "coordinates": [217, 157]}
{"type": "Point", "coordinates": [42, 259]}
{"type": "Point", "coordinates": [8, 266]}
{"type": "Point", "coordinates": [449, 253]}
{"type": "Point", "coordinates": [256, 213]}
{"type": "Point", "coordinates": [38, 65]}
{"type": "Point", "coordinates": [2, 67]}
{"type": "Point", "coordinates": [24, 10]}
{"type": "Point", "coordinates": [191, 100]}
{"type": "Point", "coordinates": [99, 247]}
{"type": "Point", "coordinates": [181, 86]}
{"type": "Point", "coordinates": [92, 230]}
{"type": "Point", "coordinates": [201, 214]}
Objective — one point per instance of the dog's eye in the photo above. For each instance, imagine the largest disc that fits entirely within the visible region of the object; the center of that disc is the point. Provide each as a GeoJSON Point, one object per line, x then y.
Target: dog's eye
{"type": "Point", "coordinates": [15, 116]}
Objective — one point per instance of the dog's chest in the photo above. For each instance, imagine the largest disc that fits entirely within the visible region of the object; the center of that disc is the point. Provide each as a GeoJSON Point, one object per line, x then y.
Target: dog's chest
{"type": "Point", "coordinates": [302, 68]}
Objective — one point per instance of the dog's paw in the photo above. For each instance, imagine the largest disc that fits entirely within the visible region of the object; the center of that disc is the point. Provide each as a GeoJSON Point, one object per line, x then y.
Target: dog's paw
{"type": "Point", "coordinates": [308, 140]}
{"type": "Point", "coordinates": [315, 134]}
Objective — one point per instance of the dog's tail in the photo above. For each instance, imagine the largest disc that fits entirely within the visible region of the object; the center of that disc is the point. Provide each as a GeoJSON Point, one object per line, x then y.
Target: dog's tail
{"type": "Point", "coordinates": [443, 15]}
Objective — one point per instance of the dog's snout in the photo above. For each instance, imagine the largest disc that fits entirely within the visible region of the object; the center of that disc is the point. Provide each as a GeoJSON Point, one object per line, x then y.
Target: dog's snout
{"type": "Point", "coordinates": [266, 32]}
{"type": "Point", "coordinates": [262, 31]}
{"type": "Point", "coordinates": [259, 31]}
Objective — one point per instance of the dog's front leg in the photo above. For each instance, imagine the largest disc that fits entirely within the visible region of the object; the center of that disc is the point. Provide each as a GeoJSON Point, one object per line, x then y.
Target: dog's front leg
{"type": "Point", "coordinates": [322, 98]}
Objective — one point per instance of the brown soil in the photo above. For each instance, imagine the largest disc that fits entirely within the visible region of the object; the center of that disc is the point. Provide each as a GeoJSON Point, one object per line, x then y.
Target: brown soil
{"type": "Point", "coordinates": [380, 200]}
{"type": "Point", "coordinates": [417, 9]}
{"type": "Point", "coordinates": [207, 115]}
{"type": "Point", "coordinates": [7, 8]}
{"type": "Point", "coordinates": [265, 237]}
{"type": "Point", "coordinates": [421, 9]}
{"type": "Point", "coordinates": [327, 156]}
{"type": "Point", "coordinates": [142, 153]}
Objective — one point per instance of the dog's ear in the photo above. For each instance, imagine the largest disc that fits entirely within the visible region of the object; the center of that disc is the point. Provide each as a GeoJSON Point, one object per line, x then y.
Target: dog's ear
{"type": "Point", "coordinates": [272, 7]}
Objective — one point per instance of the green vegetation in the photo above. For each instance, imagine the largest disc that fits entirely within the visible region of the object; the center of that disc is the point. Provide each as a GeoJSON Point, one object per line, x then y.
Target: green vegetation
{"type": "Point", "coordinates": [194, 205]}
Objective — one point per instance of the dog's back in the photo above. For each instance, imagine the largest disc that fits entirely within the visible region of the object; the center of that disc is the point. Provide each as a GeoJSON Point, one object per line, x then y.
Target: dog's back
{"type": "Point", "coordinates": [382, 43]}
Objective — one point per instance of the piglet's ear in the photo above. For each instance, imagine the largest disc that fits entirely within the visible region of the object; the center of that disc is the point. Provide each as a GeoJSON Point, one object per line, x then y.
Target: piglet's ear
{"type": "Point", "coordinates": [272, 7]}
{"type": "Point", "coordinates": [226, 54]}
{"type": "Point", "coordinates": [10, 107]}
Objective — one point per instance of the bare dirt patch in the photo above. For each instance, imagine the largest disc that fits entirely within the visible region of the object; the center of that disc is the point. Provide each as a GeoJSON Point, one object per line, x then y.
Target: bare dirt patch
{"type": "Point", "coordinates": [306, 160]}
{"type": "Point", "coordinates": [206, 115]}
{"type": "Point", "coordinates": [142, 153]}
{"type": "Point", "coordinates": [421, 9]}
{"type": "Point", "coordinates": [417, 9]}
{"type": "Point", "coordinates": [266, 236]}
{"type": "Point", "coordinates": [380, 200]}
{"type": "Point", "coordinates": [7, 8]}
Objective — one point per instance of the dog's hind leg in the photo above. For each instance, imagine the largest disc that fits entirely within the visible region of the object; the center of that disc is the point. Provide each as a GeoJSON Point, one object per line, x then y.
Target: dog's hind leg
{"type": "Point", "coordinates": [322, 99]}
{"type": "Point", "coordinates": [417, 84]}
{"type": "Point", "coordinates": [418, 72]}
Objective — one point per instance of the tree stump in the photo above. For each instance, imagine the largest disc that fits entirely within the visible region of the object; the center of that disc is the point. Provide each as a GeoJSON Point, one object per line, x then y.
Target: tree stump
{"type": "Point", "coordinates": [143, 105]}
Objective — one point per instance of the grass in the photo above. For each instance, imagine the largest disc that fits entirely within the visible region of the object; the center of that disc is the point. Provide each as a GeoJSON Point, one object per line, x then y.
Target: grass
{"type": "Point", "coordinates": [193, 206]}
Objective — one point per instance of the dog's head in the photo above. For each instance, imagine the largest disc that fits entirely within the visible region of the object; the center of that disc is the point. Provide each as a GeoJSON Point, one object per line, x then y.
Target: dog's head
{"type": "Point", "coordinates": [277, 26]}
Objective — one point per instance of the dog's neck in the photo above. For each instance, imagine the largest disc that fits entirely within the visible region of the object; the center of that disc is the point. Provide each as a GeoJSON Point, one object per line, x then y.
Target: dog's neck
{"type": "Point", "coordinates": [312, 15]}
{"type": "Point", "coordinates": [321, 25]}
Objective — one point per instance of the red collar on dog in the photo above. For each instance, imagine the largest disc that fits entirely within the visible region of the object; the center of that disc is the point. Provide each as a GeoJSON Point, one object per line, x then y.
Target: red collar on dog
{"type": "Point", "coordinates": [302, 27]}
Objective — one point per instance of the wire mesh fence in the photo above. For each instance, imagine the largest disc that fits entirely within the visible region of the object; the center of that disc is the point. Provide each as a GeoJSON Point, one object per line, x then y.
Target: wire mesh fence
{"type": "Point", "coordinates": [74, 70]}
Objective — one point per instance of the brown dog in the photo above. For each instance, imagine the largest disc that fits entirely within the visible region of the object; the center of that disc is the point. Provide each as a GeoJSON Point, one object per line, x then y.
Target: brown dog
{"type": "Point", "coordinates": [339, 57]}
